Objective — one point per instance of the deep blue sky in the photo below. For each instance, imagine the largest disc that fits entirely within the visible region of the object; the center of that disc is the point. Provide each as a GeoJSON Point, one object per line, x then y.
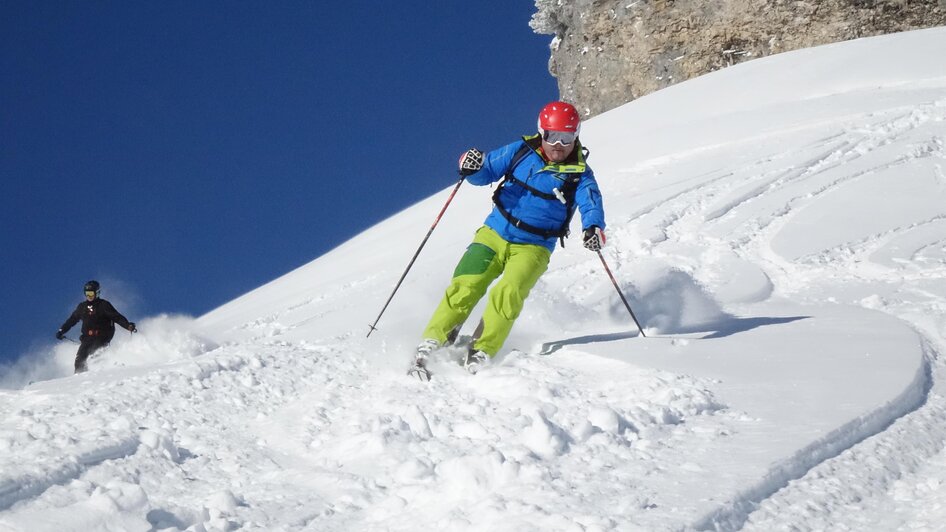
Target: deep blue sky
{"type": "Point", "coordinates": [184, 153]}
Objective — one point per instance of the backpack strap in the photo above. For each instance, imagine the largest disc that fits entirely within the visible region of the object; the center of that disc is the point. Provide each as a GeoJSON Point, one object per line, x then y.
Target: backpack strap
{"type": "Point", "coordinates": [572, 186]}
{"type": "Point", "coordinates": [509, 178]}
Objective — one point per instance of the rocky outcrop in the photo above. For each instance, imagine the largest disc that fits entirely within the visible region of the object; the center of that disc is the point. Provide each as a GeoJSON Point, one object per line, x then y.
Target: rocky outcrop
{"type": "Point", "coordinates": [605, 53]}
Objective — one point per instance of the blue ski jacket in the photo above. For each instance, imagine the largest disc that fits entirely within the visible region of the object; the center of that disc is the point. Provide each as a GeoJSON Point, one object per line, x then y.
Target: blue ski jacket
{"type": "Point", "coordinates": [540, 212]}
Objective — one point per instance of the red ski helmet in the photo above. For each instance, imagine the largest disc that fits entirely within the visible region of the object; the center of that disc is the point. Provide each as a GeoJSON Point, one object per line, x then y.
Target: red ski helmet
{"type": "Point", "coordinates": [559, 116]}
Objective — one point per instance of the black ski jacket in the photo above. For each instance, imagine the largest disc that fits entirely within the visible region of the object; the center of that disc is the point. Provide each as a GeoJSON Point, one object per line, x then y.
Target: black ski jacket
{"type": "Point", "coordinates": [98, 319]}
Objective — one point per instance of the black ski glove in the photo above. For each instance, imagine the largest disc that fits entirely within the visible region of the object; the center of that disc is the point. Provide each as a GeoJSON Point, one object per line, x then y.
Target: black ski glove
{"type": "Point", "coordinates": [470, 162]}
{"type": "Point", "coordinates": [131, 327]}
{"type": "Point", "coordinates": [60, 335]}
{"type": "Point", "coordinates": [593, 238]}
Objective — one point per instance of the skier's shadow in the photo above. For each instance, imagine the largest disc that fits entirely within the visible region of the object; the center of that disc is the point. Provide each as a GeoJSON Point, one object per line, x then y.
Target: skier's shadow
{"type": "Point", "coordinates": [722, 329]}
{"type": "Point", "coordinates": [734, 325]}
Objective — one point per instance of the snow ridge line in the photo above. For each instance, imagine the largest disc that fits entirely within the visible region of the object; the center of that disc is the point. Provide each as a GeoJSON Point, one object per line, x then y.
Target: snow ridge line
{"type": "Point", "coordinates": [14, 490]}
{"type": "Point", "coordinates": [733, 515]}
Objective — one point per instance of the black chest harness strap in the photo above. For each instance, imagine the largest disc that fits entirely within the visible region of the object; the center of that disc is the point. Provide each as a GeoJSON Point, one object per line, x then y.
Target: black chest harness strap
{"type": "Point", "coordinates": [564, 194]}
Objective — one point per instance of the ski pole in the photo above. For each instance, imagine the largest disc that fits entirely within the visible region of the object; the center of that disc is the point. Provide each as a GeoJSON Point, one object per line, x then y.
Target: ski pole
{"type": "Point", "coordinates": [616, 287]}
{"type": "Point", "coordinates": [70, 339]}
{"type": "Point", "coordinates": [416, 253]}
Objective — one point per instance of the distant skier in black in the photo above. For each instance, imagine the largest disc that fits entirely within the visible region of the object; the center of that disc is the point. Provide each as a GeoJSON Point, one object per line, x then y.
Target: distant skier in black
{"type": "Point", "coordinates": [98, 324]}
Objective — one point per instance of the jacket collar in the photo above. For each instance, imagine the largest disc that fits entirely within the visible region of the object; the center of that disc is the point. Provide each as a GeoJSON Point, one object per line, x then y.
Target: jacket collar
{"type": "Point", "coordinates": [574, 164]}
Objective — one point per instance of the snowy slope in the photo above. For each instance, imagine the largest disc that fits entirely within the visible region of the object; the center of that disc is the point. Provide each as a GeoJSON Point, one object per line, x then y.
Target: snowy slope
{"type": "Point", "coordinates": [779, 228]}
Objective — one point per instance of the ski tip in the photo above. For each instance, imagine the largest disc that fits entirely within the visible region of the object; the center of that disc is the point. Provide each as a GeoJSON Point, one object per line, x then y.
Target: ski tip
{"type": "Point", "coordinates": [422, 374]}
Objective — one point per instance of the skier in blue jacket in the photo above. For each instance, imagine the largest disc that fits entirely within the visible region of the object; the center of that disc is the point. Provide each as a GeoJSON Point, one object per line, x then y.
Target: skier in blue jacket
{"type": "Point", "coordinates": [544, 179]}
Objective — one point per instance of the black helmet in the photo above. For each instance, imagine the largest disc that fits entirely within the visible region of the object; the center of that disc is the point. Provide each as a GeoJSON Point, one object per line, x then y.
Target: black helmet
{"type": "Point", "coordinates": [91, 286]}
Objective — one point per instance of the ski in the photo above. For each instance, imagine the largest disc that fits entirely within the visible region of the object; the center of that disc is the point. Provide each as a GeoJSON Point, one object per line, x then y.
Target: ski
{"type": "Point", "coordinates": [420, 371]}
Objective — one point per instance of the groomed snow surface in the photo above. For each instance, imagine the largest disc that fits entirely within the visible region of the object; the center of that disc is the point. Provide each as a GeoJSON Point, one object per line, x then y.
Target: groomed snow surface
{"type": "Point", "coordinates": [779, 228]}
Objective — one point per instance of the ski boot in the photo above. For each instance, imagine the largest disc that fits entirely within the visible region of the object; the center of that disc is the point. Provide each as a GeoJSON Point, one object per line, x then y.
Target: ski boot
{"type": "Point", "coordinates": [419, 367]}
{"type": "Point", "coordinates": [475, 360]}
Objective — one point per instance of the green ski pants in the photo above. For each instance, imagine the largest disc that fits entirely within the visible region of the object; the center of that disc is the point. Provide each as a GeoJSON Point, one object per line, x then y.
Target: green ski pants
{"type": "Point", "coordinates": [488, 257]}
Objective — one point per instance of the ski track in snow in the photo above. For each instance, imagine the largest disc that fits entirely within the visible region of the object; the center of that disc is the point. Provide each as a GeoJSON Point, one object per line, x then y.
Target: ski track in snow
{"type": "Point", "coordinates": [831, 475]}
{"type": "Point", "coordinates": [275, 432]}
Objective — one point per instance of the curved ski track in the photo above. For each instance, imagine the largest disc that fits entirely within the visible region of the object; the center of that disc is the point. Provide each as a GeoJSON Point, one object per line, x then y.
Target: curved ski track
{"type": "Point", "coordinates": [741, 215]}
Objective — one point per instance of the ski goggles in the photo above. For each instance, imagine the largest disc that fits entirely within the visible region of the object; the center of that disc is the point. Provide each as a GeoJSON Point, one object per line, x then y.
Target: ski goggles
{"type": "Point", "coordinates": [564, 138]}
{"type": "Point", "coordinates": [91, 293]}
